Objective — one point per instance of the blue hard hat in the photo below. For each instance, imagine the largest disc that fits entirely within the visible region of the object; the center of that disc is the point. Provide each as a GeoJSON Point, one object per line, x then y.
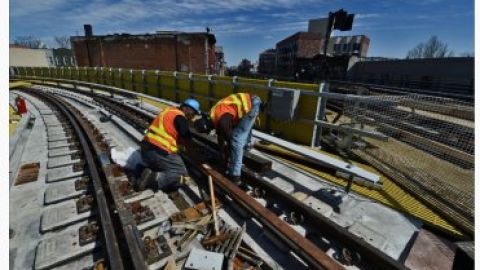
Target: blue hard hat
{"type": "Point", "coordinates": [192, 103]}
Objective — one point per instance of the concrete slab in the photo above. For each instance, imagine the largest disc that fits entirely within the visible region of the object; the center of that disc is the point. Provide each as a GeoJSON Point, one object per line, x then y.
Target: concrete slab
{"type": "Point", "coordinates": [139, 196]}
{"type": "Point", "coordinates": [53, 123]}
{"type": "Point", "coordinates": [319, 206]}
{"type": "Point", "coordinates": [62, 215]}
{"type": "Point", "coordinates": [58, 144]}
{"type": "Point", "coordinates": [282, 184]}
{"type": "Point", "coordinates": [84, 262]}
{"type": "Point", "coordinates": [50, 117]}
{"type": "Point", "coordinates": [60, 249]}
{"type": "Point", "coordinates": [26, 201]}
{"type": "Point", "coordinates": [55, 162]}
{"type": "Point", "coordinates": [51, 131]}
{"type": "Point", "coordinates": [58, 137]}
{"type": "Point", "coordinates": [162, 208]}
{"type": "Point", "coordinates": [47, 112]}
{"type": "Point", "coordinates": [371, 236]}
{"type": "Point", "coordinates": [61, 151]}
{"type": "Point", "coordinates": [62, 191]}
{"type": "Point", "coordinates": [60, 132]}
{"type": "Point", "coordinates": [62, 173]}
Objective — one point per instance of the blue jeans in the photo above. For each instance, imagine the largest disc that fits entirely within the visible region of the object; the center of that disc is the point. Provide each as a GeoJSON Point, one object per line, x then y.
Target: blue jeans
{"type": "Point", "coordinates": [169, 167]}
{"type": "Point", "coordinates": [241, 136]}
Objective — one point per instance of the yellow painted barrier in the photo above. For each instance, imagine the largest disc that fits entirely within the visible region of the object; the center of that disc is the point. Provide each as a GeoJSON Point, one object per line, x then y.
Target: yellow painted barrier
{"type": "Point", "coordinates": [19, 84]}
{"type": "Point", "coordinates": [178, 87]}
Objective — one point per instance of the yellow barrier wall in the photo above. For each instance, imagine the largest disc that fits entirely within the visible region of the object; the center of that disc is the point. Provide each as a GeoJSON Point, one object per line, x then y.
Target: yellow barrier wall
{"type": "Point", "coordinates": [163, 84]}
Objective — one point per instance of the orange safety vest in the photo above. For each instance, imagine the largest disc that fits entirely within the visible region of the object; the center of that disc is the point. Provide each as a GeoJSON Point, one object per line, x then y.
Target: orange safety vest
{"type": "Point", "coordinates": [162, 131]}
{"type": "Point", "coordinates": [237, 105]}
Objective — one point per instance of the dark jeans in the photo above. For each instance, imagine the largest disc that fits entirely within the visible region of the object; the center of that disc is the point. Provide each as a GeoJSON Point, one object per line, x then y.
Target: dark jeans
{"type": "Point", "coordinates": [169, 167]}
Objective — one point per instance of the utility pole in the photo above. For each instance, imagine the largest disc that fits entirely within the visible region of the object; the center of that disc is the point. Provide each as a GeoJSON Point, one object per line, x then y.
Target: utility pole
{"type": "Point", "coordinates": [338, 20]}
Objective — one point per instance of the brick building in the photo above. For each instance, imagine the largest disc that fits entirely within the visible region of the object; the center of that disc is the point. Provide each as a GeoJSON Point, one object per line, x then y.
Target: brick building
{"type": "Point", "coordinates": [168, 51]}
{"type": "Point", "coordinates": [298, 45]}
{"type": "Point", "coordinates": [293, 53]}
{"type": "Point", "coordinates": [267, 62]}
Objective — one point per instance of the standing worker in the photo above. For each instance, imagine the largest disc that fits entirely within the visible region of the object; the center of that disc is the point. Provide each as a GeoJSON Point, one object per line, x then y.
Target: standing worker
{"type": "Point", "coordinates": [233, 118]}
{"type": "Point", "coordinates": [164, 139]}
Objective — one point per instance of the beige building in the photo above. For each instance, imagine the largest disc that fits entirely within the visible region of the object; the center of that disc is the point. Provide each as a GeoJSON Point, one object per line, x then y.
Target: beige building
{"type": "Point", "coordinates": [348, 45]}
{"type": "Point", "coordinates": [25, 57]}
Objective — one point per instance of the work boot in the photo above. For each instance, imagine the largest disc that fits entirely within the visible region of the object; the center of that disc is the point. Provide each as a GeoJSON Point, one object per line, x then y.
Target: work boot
{"type": "Point", "coordinates": [237, 180]}
{"type": "Point", "coordinates": [144, 180]}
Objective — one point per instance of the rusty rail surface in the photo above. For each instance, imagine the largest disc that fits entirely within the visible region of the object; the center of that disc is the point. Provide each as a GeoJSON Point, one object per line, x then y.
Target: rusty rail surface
{"type": "Point", "coordinates": [299, 244]}
{"type": "Point", "coordinates": [373, 256]}
{"type": "Point", "coordinates": [121, 255]}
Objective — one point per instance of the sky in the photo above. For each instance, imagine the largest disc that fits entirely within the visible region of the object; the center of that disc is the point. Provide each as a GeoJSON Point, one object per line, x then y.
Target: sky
{"type": "Point", "coordinates": [244, 28]}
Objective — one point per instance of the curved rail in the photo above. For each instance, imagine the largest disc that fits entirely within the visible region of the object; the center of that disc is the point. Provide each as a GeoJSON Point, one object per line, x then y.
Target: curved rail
{"type": "Point", "coordinates": [120, 255]}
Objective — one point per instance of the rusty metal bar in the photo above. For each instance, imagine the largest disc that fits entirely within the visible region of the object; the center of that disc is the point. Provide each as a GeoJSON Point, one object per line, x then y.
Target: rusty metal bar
{"type": "Point", "coordinates": [315, 220]}
{"type": "Point", "coordinates": [111, 241]}
{"type": "Point", "coordinates": [299, 244]}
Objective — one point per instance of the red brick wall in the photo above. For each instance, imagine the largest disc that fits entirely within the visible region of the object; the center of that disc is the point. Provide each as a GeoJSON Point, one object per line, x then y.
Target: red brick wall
{"type": "Point", "coordinates": [309, 47]}
{"type": "Point", "coordinates": [307, 44]}
{"type": "Point", "coordinates": [146, 52]}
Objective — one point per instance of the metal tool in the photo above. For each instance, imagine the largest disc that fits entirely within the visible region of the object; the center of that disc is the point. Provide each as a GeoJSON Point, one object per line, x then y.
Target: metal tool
{"type": "Point", "coordinates": [236, 244]}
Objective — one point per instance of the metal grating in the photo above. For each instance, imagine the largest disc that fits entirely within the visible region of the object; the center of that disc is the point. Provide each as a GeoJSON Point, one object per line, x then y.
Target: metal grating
{"type": "Point", "coordinates": [28, 173]}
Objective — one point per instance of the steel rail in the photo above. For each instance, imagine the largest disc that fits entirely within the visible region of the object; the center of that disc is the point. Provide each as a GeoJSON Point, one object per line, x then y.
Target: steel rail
{"type": "Point", "coordinates": [340, 234]}
{"type": "Point", "coordinates": [111, 241]}
{"type": "Point", "coordinates": [303, 247]}
{"type": "Point", "coordinates": [313, 219]}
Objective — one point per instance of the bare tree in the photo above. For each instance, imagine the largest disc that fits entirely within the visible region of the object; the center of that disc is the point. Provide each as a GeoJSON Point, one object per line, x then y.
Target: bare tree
{"type": "Point", "coordinates": [29, 42]}
{"type": "Point", "coordinates": [433, 48]}
{"type": "Point", "coordinates": [62, 42]}
{"type": "Point", "coordinates": [467, 54]}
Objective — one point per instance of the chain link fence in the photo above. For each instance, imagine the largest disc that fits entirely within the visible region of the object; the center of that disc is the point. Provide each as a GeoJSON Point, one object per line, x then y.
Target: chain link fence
{"type": "Point", "coordinates": [441, 127]}
{"type": "Point", "coordinates": [431, 142]}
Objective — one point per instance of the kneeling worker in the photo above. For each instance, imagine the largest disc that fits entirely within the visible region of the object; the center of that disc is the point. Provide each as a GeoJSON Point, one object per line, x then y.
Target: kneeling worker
{"type": "Point", "coordinates": [164, 139]}
{"type": "Point", "coordinates": [233, 118]}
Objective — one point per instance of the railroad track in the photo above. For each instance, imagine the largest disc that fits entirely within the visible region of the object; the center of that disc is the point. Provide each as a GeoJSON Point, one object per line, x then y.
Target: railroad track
{"type": "Point", "coordinates": [448, 141]}
{"type": "Point", "coordinates": [120, 220]}
{"type": "Point", "coordinates": [299, 213]}
{"type": "Point", "coordinates": [99, 199]}
{"type": "Point", "coordinates": [386, 89]}
{"type": "Point", "coordinates": [455, 205]}
{"type": "Point", "coordinates": [116, 227]}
